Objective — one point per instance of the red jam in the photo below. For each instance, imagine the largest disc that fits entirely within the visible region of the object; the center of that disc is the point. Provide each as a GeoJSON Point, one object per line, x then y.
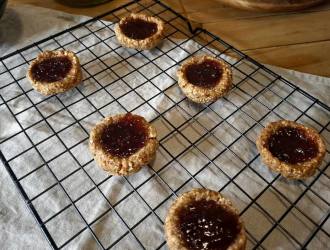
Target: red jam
{"type": "Point", "coordinates": [138, 29]}
{"type": "Point", "coordinates": [206, 74]}
{"type": "Point", "coordinates": [51, 69]}
{"type": "Point", "coordinates": [206, 225]}
{"type": "Point", "coordinates": [291, 145]}
{"type": "Point", "coordinates": [125, 137]}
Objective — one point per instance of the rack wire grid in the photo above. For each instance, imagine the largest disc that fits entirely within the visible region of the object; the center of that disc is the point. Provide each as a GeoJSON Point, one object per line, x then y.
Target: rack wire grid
{"type": "Point", "coordinates": [211, 146]}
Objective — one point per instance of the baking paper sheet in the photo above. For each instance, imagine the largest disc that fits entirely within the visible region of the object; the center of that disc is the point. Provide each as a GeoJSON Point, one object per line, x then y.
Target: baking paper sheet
{"type": "Point", "coordinates": [22, 25]}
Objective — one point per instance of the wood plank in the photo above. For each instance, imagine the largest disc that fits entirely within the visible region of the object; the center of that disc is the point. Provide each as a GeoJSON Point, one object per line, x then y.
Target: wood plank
{"type": "Point", "coordinates": [273, 30]}
{"type": "Point", "coordinates": [309, 58]}
{"type": "Point", "coordinates": [209, 5]}
{"type": "Point", "coordinates": [213, 15]}
{"type": "Point", "coordinates": [272, 5]}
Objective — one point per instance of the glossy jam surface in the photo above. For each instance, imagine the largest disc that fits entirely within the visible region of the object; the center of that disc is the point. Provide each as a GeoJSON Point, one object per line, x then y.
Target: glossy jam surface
{"type": "Point", "coordinates": [206, 225]}
{"type": "Point", "coordinates": [52, 69]}
{"type": "Point", "coordinates": [291, 145]}
{"type": "Point", "coordinates": [206, 74]}
{"type": "Point", "coordinates": [138, 29]}
{"type": "Point", "coordinates": [125, 137]}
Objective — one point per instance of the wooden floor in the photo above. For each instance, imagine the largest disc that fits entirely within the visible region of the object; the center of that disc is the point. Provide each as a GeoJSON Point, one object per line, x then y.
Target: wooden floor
{"type": "Point", "coordinates": [296, 40]}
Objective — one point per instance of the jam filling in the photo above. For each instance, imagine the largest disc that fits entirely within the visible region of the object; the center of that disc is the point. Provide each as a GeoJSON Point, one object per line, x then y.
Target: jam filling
{"type": "Point", "coordinates": [125, 137]}
{"type": "Point", "coordinates": [291, 145]}
{"type": "Point", "coordinates": [206, 225]}
{"type": "Point", "coordinates": [52, 69]}
{"type": "Point", "coordinates": [138, 29]}
{"type": "Point", "coordinates": [206, 74]}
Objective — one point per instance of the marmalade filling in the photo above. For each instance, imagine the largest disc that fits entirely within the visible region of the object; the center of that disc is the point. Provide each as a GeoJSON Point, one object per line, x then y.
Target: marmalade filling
{"type": "Point", "coordinates": [51, 69]}
{"type": "Point", "coordinates": [124, 137]}
{"type": "Point", "coordinates": [291, 145]}
{"type": "Point", "coordinates": [138, 29]}
{"type": "Point", "coordinates": [204, 224]}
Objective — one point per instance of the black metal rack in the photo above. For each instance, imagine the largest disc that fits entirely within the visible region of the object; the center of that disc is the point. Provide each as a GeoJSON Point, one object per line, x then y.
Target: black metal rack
{"type": "Point", "coordinates": [187, 132]}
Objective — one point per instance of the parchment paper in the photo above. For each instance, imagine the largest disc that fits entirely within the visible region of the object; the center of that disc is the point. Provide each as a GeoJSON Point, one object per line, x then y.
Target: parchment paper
{"type": "Point", "coordinates": [24, 24]}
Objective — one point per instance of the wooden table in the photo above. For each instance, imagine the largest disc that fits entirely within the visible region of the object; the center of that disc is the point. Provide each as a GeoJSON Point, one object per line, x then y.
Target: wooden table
{"type": "Point", "coordinates": [296, 40]}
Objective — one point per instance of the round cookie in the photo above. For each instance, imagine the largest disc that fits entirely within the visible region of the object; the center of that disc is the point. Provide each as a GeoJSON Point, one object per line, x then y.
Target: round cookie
{"type": "Point", "coordinates": [123, 143]}
{"type": "Point", "coordinates": [291, 149]}
{"type": "Point", "coordinates": [139, 31]}
{"type": "Point", "coordinates": [204, 219]}
{"type": "Point", "coordinates": [54, 72]}
{"type": "Point", "coordinates": [204, 78]}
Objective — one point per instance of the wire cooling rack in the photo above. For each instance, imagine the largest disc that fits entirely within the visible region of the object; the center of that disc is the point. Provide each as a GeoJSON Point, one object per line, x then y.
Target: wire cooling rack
{"type": "Point", "coordinates": [76, 204]}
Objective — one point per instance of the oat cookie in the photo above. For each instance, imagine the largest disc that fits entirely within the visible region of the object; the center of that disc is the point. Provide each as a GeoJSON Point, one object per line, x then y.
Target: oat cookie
{"type": "Point", "coordinates": [123, 143]}
{"type": "Point", "coordinates": [54, 72]}
{"type": "Point", "coordinates": [140, 31]}
{"type": "Point", "coordinates": [204, 78]}
{"type": "Point", "coordinates": [291, 149]}
{"type": "Point", "coordinates": [204, 219]}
